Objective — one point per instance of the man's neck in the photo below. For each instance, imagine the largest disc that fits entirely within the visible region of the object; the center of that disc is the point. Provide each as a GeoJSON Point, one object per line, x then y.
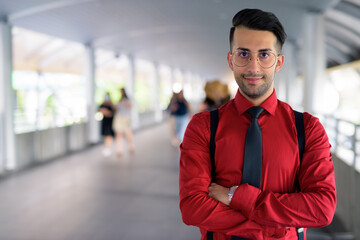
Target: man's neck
{"type": "Point", "coordinates": [257, 101]}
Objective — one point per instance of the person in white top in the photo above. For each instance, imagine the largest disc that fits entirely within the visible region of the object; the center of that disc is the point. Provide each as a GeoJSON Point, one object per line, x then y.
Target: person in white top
{"type": "Point", "coordinates": [122, 123]}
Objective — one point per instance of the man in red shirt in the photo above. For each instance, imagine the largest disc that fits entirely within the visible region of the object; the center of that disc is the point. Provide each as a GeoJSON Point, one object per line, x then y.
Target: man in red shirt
{"type": "Point", "coordinates": [229, 207]}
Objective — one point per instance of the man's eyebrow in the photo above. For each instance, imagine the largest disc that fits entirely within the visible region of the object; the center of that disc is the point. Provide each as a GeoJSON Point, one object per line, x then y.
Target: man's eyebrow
{"type": "Point", "coordinates": [265, 50]}
{"type": "Point", "coordinates": [243, 49]}
{"type": "Point", "coordinates": [261, 50]}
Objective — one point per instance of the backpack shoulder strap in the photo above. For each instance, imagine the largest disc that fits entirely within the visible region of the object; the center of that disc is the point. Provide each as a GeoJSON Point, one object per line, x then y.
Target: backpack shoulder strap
{"type": "Point", "coordinates": [214, 120]}
{"type": "Point", "coordinates": [300, 129]}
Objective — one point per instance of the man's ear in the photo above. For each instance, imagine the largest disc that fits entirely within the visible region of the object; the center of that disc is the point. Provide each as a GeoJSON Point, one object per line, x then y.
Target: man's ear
{"type": "Point", "coordinates": [279, 63]}
{"type": "Point", "coordinates": [230, 61]}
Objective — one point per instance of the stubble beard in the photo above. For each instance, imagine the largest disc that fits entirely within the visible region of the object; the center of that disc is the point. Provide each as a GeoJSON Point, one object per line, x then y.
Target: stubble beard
{"type": "Point", "coordinates": [252, 91]}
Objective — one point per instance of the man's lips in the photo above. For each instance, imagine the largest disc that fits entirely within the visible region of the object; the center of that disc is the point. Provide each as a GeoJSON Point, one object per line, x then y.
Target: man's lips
{"type": "Point", "coordinates": [252, 80]}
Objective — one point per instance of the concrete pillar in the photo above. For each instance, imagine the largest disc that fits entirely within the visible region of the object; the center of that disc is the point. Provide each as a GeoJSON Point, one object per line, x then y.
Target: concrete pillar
{"type": "Point", "coordinates": [8, 159]}
{"type": "Point", "coordinates": [289, 76]}
{"type": "Point", "coordinates": [292, 91]}
{"type": "Point", "coordinates": [189, 87]}
{"type": "Point", "coordinates": [93, 129]}
{"type": "Point", "coordinates": [172, 79]}
{"type": "Point", "coordinates": [177, 80]}
{"type": "Point", "coordinates": [280, 83]}
{"type": "Point", "coordinates": [157, 110]}
{"type": "Point", "coordinates": [313, 57]}
{"type": "Point", "coordinates": [130, 89]}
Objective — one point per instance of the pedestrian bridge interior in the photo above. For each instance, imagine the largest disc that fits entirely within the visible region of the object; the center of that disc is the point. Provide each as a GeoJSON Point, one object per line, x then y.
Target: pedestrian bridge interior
{"type": "Point", "coordinates": [59, 58]}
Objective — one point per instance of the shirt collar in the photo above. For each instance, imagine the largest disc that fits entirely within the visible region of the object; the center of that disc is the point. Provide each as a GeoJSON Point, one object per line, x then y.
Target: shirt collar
{"type": "Point", "coordinates": [242, 104]}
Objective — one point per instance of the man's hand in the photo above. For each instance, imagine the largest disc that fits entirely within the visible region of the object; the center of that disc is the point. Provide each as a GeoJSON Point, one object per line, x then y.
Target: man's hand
{"type": "Point", "coordinates": [219, 193]}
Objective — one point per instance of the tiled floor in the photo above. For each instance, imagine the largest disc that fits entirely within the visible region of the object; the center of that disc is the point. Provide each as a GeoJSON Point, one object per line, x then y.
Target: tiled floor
{"type": "Point", "coordinates": [85, 196]}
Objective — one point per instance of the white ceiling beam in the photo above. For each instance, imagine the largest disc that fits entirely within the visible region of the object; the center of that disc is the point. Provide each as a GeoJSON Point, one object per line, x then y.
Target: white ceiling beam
{"type": "Point", "coordinates": [44, 8]}
{"type": "Point", "coordinates": [344, 19]}
{"type": "Point", "coordinates": [342, 32]}
{"type": "Point", "coordinates": [337, 55]}
{"type": "Point", "coordinates": [52, 57]}
{"type": "Point", "coordinates": [346, 49]}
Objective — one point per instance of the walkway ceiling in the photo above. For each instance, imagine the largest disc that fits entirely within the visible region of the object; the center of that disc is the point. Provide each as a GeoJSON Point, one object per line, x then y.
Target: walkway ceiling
{"type": "Point", "coordinates": [191, 35]}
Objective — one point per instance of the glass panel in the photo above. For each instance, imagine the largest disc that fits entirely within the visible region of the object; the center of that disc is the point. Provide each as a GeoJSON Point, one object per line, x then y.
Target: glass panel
{"type": "Point", "coordinates": [48, 100]}
{"type": "Point", "coordinates": [48, 81]}
{"type": "Point", "coordinates": [349, 104]}
{"type": "Point", "coordinates": [111, 75]}
{"type": "Point", "coordinates": [346, 128]}
{"type": "Point", "coordinates": [346, 155]}
{"type": "Point", "coordinates": [145, 86]}
{"type": "Point", "coordinates": [165, 91]}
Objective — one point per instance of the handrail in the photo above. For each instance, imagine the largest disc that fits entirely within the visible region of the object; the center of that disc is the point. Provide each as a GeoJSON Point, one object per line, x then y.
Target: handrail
{"type": "Point", "coordinates": [344, 136]}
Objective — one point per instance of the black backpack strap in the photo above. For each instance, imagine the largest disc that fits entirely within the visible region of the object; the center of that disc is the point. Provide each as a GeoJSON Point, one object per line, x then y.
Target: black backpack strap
{"type": "Point", "coordinates": [300, 129]}
{"type": "Point", "coordinates": [299, 122]}
{"type": "Point", "coordinates": [214, 120]}
{"type": "Point", "coordinates": [209, 235]}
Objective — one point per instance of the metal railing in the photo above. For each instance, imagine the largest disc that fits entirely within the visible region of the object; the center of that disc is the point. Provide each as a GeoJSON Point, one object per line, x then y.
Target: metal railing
{"type": "Point", "coordinates": [344, 137]}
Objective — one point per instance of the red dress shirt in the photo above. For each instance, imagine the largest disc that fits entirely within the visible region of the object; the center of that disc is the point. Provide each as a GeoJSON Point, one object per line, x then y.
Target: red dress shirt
{"type": "Point", "coordinates": [275, 210]}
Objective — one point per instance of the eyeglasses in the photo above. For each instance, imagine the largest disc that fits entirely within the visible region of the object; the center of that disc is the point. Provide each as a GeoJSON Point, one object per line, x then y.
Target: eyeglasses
{"type": "Point", "coordinates": [266, 59]}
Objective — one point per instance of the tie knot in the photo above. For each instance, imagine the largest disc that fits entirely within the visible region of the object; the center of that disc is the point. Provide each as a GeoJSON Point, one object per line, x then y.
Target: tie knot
{"type": "Point", "coordinates": [255, 112]}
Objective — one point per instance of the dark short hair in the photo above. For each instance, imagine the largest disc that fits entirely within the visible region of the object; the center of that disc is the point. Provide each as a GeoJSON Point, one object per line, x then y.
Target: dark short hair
{"type": "Point", "coordinates": [258, 20]}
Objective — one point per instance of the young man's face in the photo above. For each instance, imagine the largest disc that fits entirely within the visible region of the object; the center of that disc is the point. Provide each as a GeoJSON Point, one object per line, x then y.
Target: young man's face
{"type": "Point", "coordinates": [255, 82]}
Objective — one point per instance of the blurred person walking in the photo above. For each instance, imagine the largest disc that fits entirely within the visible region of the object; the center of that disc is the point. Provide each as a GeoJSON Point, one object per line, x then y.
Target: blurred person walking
{"type": "Point", "coordinates": [216, 93]}
{"type": "Point", "coordinates": [179, 111]}
{"type": "Point", "coordinates": [107, 109]}
{"type": "Point", "coordinates": [122, 123]}
{"type": "Point", "coordinates": [171, 109]}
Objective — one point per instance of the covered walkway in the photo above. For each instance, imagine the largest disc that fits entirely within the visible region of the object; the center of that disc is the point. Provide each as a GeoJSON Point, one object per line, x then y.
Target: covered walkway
{"type": "Point", "coordinates": [58, 59]}
{"type": "Point", "coordinates": [84, 196]}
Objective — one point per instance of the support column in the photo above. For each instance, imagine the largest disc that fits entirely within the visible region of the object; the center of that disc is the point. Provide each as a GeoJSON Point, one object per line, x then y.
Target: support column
{"type": "Point", "coordinates": [177, 80]}
{"type": "Point", "coordinates": [314, 58]}
{"type": "Point", "coordinates": [280, 83]}
{"type": "Point", "coordinates": [187, 86]}
{"type": "Point", "coordinates": [8, 159]}
{"type": "Point", "coordinates": [289, 76]}
{"type": "Point", "coordinates": [93, 128]}
{"type": "Point", "coordinates": [130, 89]}
{"type": "Point", "coordinates": [292, 94]}
{"type": "Point", "coordinates": [157, 110]}
{"type": "Point", "coordinates": [172, 79]}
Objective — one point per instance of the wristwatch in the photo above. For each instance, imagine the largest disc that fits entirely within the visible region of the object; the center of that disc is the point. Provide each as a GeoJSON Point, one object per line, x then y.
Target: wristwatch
{"type": "Point", "coordinates": [231, 192]}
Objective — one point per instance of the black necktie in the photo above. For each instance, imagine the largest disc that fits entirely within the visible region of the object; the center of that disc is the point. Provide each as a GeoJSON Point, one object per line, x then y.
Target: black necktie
{"type": "Point", "coordinates": [253, 150]}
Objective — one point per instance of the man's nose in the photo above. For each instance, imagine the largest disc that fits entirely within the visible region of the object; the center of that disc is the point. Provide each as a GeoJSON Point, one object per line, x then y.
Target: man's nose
{"type": "Point", "coordinates": [253, 63]}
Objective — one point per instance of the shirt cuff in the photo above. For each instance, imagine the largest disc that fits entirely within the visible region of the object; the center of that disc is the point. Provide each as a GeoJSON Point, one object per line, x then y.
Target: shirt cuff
{"type": "Point", "coordinates": [244, 199]}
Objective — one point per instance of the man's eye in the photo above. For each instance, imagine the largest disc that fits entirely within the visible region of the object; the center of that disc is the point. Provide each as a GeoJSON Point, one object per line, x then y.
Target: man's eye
{"type": "Point", "coordinates": [243, 54]}
{"type": "Point", "coordinates": [263, 55]}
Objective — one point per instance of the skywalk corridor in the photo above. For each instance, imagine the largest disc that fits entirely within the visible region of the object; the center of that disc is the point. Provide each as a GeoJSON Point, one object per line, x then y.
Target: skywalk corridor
{"type": "Point", "coordinates": [85, 196]}
{"type": "Point", "coordinates": [60, 58]}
